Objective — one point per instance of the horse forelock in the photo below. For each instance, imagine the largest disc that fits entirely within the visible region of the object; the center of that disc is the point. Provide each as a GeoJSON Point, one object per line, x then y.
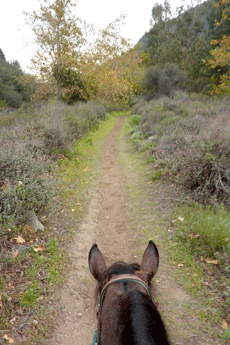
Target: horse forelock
{"type": "Point", "coordinates": [117, 269]}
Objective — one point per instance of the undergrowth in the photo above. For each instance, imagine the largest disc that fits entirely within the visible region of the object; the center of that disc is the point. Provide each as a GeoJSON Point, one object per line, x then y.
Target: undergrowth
{"type": "Point", "coordinates": [189, 139]}
{"type": "Point", "coordinates": [43, 150]}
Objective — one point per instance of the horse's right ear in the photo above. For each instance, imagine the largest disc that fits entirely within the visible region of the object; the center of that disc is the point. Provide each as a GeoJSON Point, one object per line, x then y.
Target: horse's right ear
{"type": "Point", "coordinates": [150, 261]}
{"type": "Point", "coordinates": [97, 264]}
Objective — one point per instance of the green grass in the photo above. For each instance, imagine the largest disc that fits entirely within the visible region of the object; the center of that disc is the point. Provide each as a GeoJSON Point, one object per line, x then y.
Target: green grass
{"type": "Point", "coordinates": [205, 230]}
{"type": "Point", "coordinates": [75, 178]}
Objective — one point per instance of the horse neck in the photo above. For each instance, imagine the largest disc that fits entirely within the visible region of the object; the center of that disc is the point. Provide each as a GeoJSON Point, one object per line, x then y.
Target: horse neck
{"type": "Point", "coordinates": [136, 322]}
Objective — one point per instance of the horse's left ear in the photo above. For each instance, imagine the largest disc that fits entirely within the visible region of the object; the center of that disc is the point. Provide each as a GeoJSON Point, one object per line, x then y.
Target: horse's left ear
{"type": "Point", "coordinates": [150, 261]}
{"type": "Point", "coordinates": [97, 264]}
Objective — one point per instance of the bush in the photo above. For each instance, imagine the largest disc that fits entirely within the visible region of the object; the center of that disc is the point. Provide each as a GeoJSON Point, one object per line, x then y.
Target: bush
{"type": "Point", "coordinates": [24, 185]}
{"type": "Point", "coordinates": [151, 80]}
{"type": "Point", "coordinates": [13, 98]}
{"type": "Point", "coordinates": [157, 81]}
{"type": "Point", "coordinates": [171, 78]}
{"type": "Point", "coordinates": [192, 137]}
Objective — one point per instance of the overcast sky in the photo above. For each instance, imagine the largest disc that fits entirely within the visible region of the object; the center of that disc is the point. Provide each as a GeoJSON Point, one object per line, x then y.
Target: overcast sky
{"type": "Point", "coordinates": [15, 36]}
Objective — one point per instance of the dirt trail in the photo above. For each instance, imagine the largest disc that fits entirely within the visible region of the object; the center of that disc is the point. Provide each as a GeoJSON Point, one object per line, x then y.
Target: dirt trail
{"type": "Point", "coordinates": [107, 224]}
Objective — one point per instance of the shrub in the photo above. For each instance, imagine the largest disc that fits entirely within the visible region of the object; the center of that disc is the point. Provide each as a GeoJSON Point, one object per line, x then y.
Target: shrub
{"type": "Point", "coordinates": [151, 80]}
{"type": "Point", "coordinates": [171, 78]}
{"type": "Point", "coordinates": [192, 137]}
{"type": "Point", "coordinates": [157, 81]}
{"type": "Point", "coordinates": [24, 185]}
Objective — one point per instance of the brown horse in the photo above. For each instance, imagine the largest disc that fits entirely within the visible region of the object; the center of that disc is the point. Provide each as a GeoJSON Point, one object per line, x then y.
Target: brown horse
{"type": "Point", "coordinates": [125, 310]}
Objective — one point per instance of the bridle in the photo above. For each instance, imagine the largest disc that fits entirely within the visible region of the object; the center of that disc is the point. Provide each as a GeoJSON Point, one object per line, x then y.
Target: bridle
{"type": "Point", "coordinates": [120, 278]}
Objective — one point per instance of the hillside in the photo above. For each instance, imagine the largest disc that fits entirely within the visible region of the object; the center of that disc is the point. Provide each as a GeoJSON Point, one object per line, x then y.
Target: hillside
{"type": "Point", "coordinates": [185, 40]}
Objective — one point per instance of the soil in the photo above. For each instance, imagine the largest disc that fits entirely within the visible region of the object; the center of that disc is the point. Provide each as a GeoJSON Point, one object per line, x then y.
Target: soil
{"type": "Point", "coordinates": [110, 223]}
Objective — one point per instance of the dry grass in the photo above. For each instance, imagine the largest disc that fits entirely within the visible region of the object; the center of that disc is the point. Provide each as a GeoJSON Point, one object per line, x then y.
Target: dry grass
{"type": "Point", "coordinates": [192, 137]}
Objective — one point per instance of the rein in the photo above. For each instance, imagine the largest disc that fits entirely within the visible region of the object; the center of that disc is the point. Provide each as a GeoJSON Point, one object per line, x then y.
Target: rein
{"type": "Point", "coordinates": [120, 278]}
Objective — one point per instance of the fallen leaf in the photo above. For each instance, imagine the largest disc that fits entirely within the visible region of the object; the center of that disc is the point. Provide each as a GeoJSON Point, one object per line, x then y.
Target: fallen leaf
{"type": "Point", "coordinates": [180, 265]}
{"type": "Point", "coordinates": [224, 324]}
{"type": "Point", "coordinates": [19, 239]}
{"type": "Point", "coordinates": [4, 188]}
{"type": "Point", "coordinates": [214, 262]}
{"type": "Point", "coordinates": [8, 338]}
{"type": "Point", "coordinates": [39, 298]}
{"type": "Point", "coordinates": [193, 235]}
{"type": "Point", "coordinates": [10, 286]}
{"type": "Point", "coordinates": [12, 321]}
{"type": "Point", "coordinates": [15, 254]}
{"type": "Point", "coordinates": [39, 249]}
{"type": "Point", "coordinates": [27, 231]}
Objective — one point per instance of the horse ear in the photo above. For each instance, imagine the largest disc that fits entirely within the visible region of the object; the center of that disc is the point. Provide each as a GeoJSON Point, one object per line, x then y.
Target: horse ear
{"type": "Point", "coordinates": [97, 264]}
{"type": "Point", "coordinates": [150, 261]}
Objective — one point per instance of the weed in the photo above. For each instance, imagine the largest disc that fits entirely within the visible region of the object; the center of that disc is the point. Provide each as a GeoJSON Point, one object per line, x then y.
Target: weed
{"type": "Point", "coordinates": [157, 175]}
{"type": "Point", "coordinates": [226, 335]}
{"type": "Point", "coordinates": [30, 295]}
{"type": "Point", "coordinates": [52, 246]}
{"type": "Point", "coordinates": [150, 159]}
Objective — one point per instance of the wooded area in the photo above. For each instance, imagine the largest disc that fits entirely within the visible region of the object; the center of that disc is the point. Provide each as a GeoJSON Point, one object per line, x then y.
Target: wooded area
{"type": "Point", "coordinates": [76, 63]}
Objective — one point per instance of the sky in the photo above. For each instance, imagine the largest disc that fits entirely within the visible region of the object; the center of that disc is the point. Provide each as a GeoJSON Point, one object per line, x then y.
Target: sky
{"type": "Point", "coordinates": [16, 36]}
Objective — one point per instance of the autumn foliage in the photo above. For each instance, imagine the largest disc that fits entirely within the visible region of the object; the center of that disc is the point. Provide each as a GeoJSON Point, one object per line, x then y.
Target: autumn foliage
{"type": "Point", "coordinates": [221, 53]}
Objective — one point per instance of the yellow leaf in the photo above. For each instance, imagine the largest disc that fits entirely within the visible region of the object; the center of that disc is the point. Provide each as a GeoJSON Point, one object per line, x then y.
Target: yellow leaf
{"type": "Point", "coordinates": [224, 324]}
{"type": "Point", "coordinates": [19, 239]}
{"type": "Point", "coordinates": [214, 262]}
{"type": "Point", "coordinates": [8, 338]}
{"type": "Point", "coordinates": [11, 286]}
{"type": "Point", "coordinates": [4, 188]}
{"type": "Point", "coordinates": [39, 249]}
{"type": "Point", "coordinates": [180, 265]}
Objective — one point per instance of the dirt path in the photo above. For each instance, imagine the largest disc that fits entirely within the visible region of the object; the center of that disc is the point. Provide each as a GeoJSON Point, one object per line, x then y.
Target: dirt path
{"type": "Point", "coordinates": [109, 224]}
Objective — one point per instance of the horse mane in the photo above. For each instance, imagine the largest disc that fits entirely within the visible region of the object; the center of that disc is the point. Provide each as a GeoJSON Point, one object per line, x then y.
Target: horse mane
{"type": "Point", "coordinates": [142, 323]}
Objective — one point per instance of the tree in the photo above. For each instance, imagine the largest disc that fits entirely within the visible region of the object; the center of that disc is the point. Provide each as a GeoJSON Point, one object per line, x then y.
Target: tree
{"type": "Point", "coordinates": [58, 36]}
{"type": "Point", "coordinates": [221, 54]}
{"type": "Point", "coordinates": [181, 40]}
{"type": "Point", "coordinates": [111, 68]}
{"type": "Point", "coordinates": [15, 85]}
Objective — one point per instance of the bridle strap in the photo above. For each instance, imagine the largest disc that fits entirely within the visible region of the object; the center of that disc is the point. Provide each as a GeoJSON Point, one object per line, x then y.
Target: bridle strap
{"type": "Point", "coordinates": [121, 278]}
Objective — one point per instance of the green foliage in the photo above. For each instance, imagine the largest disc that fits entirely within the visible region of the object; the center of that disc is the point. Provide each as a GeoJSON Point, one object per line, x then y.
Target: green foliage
{"type": "Point", "coordinates": [30, 295]}
{"type": "Point", "coordinates": [157, 175]}
{"type": "Point", "coordinates": [58, 37]}
{"type": "Point", "coordinates": [134, 120]}
{"type": "Point", "coordinates": [15, 85]}
{"type": "Point", "coordinates": [73, 88]}
{"type": "Point", "coordinates": [164, 81]}
{"type": "Point", "coordinates": [185, 40]}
